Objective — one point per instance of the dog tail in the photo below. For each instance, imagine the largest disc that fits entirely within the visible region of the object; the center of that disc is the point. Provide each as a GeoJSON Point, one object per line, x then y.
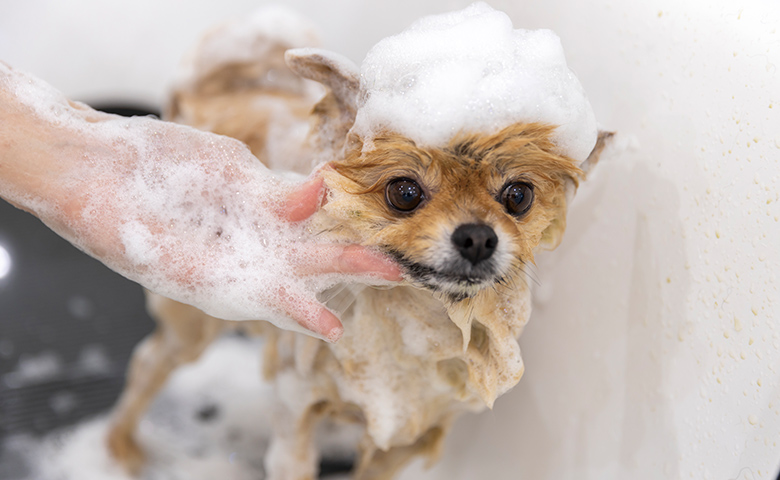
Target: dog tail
{"type": "Point", "coordinates": [236, 83]}
{"type": "Point", "coordinates": [248, 53]}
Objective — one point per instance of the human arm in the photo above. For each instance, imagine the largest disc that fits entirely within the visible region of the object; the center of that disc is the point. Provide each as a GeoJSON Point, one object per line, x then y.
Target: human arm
{"type": "Point", "coordinates": [188, 214]}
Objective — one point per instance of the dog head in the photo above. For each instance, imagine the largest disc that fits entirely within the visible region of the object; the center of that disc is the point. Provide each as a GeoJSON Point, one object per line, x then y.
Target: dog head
{"type": "Point", "coordinates": [462, 218]}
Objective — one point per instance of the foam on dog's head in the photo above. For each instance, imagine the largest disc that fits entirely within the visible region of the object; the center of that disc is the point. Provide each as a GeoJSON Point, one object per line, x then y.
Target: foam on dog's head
{"type": "Point", "coordinates": [470, 71]}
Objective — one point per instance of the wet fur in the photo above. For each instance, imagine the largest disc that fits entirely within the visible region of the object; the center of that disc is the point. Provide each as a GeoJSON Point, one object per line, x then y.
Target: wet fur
{"type": "Point", "coordinates": [462, 183]}
{"type": "Point", "coordinates": [469, 355]}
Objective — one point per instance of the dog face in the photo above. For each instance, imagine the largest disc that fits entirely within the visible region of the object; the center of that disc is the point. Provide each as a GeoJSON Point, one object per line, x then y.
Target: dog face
{"type": "Point", "coordinates": [461, 218]}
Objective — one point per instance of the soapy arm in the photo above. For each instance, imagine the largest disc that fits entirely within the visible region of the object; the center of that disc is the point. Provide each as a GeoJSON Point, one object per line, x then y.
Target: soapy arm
{"type": "Point", "coordinates": [188, 214]}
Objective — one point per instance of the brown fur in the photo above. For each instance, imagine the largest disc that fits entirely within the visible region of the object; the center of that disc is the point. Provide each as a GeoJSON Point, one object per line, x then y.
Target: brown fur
{"type": "Point", "coordinates": [463, 182]}
{"type": "Point", "coordinates": [249, 101]}
{"type": "Point", "coordinates": [432, 353]}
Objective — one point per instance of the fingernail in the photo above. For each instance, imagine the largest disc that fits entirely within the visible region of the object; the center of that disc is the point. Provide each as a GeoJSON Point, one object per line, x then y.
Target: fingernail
{"type": "Point", "coordinates": [373, 262]}
{"type": "Point", "coordinates": [335, 334]}
{"type": "Point", "coordinates": [393, 272]}
{"type": "Point", "coordinates": [331, 326]}
{"type": "Point", "coordinates": [390, 270]}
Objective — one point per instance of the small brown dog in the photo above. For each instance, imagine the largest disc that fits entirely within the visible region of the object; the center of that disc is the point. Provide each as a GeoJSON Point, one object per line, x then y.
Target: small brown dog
{"type": "Point", "coordinates": [464, 221]}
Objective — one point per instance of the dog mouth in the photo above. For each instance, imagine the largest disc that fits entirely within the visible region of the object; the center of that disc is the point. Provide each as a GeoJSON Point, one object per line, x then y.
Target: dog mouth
{"type": "Point", "coordinates": [457, 281]}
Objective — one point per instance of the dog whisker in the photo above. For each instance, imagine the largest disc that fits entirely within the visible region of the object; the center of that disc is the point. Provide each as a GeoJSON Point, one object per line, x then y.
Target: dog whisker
{"type": "Point", "coordinates": [528, 271]}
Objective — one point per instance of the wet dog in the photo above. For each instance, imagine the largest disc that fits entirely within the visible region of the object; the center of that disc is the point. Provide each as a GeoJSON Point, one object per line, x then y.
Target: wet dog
{"type": "Point", "coordinates": [464, 220]}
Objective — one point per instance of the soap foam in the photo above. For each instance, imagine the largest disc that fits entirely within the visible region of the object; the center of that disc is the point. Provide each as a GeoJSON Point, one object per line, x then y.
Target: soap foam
{"type": "Point", "coordinates": [248, 254]}
{"type": "Point", "coordinates": [248, 39]}
{"type": "Point", "coordinates": [469, 71]}
{"type": "Point", "coordinates": [193, 212]}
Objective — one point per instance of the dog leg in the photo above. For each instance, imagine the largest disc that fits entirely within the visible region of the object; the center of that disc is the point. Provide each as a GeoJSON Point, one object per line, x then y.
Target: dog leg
{"type": "Point", "coordinates": [377, 464]}
{"type": "Point", "coordinates": [292, 454]}
{"type": "Point", "coordinates": [182, 334]}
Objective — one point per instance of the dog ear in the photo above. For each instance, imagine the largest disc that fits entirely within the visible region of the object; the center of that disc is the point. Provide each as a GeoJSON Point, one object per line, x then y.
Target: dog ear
{"type": "Point", "coordinates": [337, 72]}
{"type": "Point", "coordinates": [334, 115]}
{"type": "Point", "coordinates": [553, 234]}
{"type": "Point", "coordinates": [602, 141]}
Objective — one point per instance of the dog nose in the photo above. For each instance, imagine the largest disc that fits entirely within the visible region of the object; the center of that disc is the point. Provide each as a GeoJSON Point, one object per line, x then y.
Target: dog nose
{"type": "Point", "coordinates": [475, 242]}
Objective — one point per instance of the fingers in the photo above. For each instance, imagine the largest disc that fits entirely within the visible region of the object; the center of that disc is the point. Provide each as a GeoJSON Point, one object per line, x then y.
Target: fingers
{"type": "Point", "coordinates": [303, 201]}
{"type": "Point", "coordinates": [310, 315]}
{"type": "Point", "coordinates": [348, 259]}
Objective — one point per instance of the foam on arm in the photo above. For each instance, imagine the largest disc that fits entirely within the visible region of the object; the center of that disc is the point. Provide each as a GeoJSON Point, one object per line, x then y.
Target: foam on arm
{"type": "Point", "coordinates": [188, 214]}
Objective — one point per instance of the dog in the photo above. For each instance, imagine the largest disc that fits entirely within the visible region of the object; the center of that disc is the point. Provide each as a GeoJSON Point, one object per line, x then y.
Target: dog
{"type": "Point", "coordinates": [463, 220]}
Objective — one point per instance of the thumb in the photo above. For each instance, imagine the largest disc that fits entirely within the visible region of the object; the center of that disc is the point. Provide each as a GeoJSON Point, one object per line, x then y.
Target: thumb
{"type": "Point", "coordinates": [303, 201]}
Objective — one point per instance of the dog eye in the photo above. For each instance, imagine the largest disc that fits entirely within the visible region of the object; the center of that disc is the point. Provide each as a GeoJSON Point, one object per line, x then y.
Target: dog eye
{"type": "Point", "coordinates": [403, 194]}
{"type": "Point", "coordinates": [517, 198]}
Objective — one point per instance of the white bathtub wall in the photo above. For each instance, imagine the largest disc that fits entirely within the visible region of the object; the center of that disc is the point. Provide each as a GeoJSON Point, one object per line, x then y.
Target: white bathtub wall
{"type": "Point", "coordinates": [654, 347]}
{"type": "Point", "coordinates": [95, 49]}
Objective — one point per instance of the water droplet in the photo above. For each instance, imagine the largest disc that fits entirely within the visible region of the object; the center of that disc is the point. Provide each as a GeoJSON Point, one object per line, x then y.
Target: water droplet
{"type": "Point", "coordinates": [63, 403]}
{"type": "Point", "coordinates": [406, 83]}
{"type": "Point", "coordinates": [80, 307]}
{"type": "Point", "coordinates": [493, 67]}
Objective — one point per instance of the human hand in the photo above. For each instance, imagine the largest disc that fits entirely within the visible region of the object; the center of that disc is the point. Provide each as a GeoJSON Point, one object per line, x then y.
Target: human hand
{"type": "Point", "coordinates": [188, 214]}
{"type": "Point", "coordinates": [354, 262]}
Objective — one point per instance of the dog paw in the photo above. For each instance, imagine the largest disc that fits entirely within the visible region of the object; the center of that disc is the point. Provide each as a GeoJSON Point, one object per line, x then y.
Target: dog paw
{"type": "Point", "coordinates": [126, 451]}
